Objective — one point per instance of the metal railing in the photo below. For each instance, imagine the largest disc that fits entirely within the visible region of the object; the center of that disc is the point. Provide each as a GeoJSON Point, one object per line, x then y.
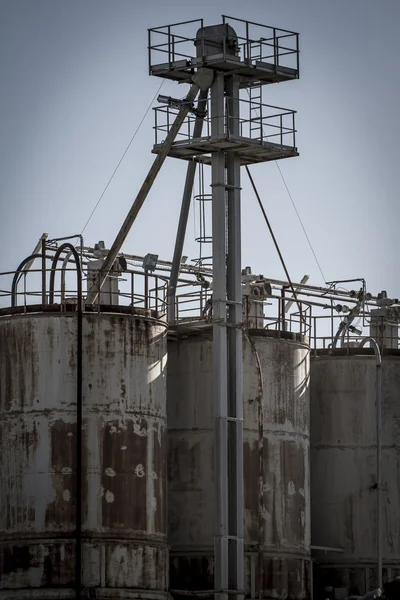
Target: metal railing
{"type": "Point", "coordinates": [317, 313]}
{"type": "Point", "coordinates": [23, 291]}
{"type": "Point", "coordinates": [177, 44]}
{"type": "Point", "coordinates": [258, 122]}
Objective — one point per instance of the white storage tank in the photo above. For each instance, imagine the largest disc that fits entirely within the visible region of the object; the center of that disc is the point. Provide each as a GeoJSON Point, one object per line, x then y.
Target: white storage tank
{"type": "Point", "coordinates": [344, 469]}
{"type": "Point", "coordinates": [276, 454]}
{"type": "Point", "coordinates": [123, 493]}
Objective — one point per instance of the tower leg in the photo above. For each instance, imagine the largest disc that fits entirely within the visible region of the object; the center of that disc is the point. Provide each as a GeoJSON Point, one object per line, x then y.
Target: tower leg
{"type": "Point", "coordinates": [234, 333]}
{"type": "Point", "coordinates": [227, 344]}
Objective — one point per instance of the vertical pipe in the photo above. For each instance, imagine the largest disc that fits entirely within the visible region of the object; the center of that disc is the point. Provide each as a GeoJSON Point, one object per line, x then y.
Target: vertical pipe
{"type": "Point", "coordinates": [283, 308]}
{"type": "Point", "coordinates": [146, 290]}
{"type": "Point", "coordinates": [220, 358]}
{"type": "Point", "coordinates": [43, 271]}
{"type": "Point", "coordinates": [260, 468]}
{"type": "Point", "coordinates": [79, 419]}
{"type": "Point", "coordinates": [79, 410]}
{"type": "Point", "coordinates": [379, 472]}
{"type": "Point", "coordinates": [235, 354]}
{"type": "Point", "coordinates": [132, 294]}
{"type": "Point", "coordinates": [378, 359]}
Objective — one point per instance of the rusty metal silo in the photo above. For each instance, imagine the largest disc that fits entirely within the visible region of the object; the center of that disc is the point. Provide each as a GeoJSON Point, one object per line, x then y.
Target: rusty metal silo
{"type": "Point", "coordinates": [118, 547]}
{"type": "Point", "coordinates": [276, 464]}
{"type": "Point", "coordinates": [345, 480]}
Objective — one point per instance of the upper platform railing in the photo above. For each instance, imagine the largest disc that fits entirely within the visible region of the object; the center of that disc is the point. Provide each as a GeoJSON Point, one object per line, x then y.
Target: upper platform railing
{"type": "Point", "coordinates": [175, 50]}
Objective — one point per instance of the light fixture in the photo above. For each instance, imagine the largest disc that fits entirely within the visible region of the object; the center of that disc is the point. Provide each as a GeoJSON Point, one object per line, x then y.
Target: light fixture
{"type": "Point", "coordinates": [150, 262]}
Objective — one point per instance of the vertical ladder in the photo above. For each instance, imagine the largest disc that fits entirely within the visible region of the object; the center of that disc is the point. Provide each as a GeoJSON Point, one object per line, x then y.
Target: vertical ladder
{"type": "Point", "coordinates": [255, 112]}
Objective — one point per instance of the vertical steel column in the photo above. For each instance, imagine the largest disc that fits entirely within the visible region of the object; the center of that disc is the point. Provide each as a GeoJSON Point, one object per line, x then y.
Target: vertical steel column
{"type": "Point", "coordinates": [235, 361]}
{"type": "Point", "coordinates": [220, 355]}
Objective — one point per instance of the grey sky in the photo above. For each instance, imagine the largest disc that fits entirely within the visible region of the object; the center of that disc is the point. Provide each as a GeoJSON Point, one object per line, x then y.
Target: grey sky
{"type": "Point", "coordinates": [74, 86]}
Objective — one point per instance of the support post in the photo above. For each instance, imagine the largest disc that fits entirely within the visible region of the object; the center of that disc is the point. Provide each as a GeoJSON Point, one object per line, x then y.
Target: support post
{"type": "Point", "coordinates": [227, 344]}
{"type": "Point", "coordinates": [378, 361]}
{"type": "Point", "coordinates": [220, 357]}
{"type": "Point", "coordinates": [235, 360]}
{"type": "Point", "coordinates": [183, 217]}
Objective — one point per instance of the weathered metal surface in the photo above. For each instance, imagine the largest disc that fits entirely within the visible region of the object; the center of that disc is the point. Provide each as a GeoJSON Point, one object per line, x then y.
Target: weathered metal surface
{"type": "Point", "coordinates": [285, 502]}
{"type": "Point", "coordinates": [124, 467]}
{"type": "Point", "coordinates": [343, 465]}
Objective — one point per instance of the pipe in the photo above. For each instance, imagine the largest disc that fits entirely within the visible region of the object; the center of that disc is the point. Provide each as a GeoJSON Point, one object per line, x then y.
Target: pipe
{"type": "Point", "coordinates": [44, 298]}
{"type": "Point", "coordinates": [183, 217]}
{"type": "Point", "coordinates": [260, 399]}
{"type": "Point", "coordinates": [97, 284]}
{"type": "Point", "coordinates": [27, 260]}
{"type": "Point", "coordinates": [378, 359]}
{"type": "Point", "coordinates": [63, 267]}
{"type": "Point", "coordinates": [79, 409]}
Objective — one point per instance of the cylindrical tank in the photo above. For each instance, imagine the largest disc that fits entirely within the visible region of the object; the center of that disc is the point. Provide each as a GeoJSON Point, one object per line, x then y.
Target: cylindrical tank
{"type": "Point", "coordinates": [343, 471]}
{"type": "Point", "coordinates": [276, 461]}
{"type": "Point", "coordinates": [124, 551]}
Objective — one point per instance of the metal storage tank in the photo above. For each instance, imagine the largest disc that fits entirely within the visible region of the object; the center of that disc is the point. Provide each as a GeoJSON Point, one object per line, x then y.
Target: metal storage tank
{"type": "Point", "coordinates": [276, 461]}
{"type": "Point", "coordinates": [344, 469]}
{"type": "Point", "coordinates": [124, 551]}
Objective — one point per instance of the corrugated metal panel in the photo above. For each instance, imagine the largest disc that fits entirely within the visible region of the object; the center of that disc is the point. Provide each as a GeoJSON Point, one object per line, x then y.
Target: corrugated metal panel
{"type": "Point", "coordinates": [284, 504]}
{"type": "Point", "coordinates": [124, 469]}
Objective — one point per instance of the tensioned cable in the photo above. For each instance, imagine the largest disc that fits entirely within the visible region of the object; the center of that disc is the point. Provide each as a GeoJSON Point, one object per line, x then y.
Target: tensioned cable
{"type": "Point", "coordinates": [293, 203]}
{"type": "Point", "coordinates": [275, 241]}
{"type": "Point", "coordinates": [122, 157]}
{"type": "Point", "coordinates": [301, 222]}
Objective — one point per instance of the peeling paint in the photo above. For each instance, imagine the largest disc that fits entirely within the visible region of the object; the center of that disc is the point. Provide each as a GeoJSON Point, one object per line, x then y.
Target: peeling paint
{"type": "Point", "coordinates": [139, 470]}
{"type": "Point", "coordinates": [38, 454]}
{"type": "Point", "coordinates": [285, 511]}
{"type": "Point", "coordinates": [343, 461]}
{"type": "Point", "coordinates": [109, 496]}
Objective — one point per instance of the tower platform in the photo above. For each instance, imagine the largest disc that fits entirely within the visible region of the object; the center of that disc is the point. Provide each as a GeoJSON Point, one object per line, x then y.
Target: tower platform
{"type": "Point", "coordinates": [250, 150]}
{"type": "Point", "coordinates": [265, 133]}
{"type": "Point", "coordinates": [258, 53]}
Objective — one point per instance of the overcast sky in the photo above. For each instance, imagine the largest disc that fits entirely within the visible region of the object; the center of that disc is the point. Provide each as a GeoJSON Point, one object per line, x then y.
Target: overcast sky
{"type": "Point", "coordinates": [74, 86]}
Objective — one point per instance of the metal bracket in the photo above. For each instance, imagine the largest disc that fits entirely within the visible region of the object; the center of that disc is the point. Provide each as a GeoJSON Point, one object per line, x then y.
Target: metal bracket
{"type": "Point", "coordinates": [177, 103]}
{"type": "Point", "coordinates": [227, 186]}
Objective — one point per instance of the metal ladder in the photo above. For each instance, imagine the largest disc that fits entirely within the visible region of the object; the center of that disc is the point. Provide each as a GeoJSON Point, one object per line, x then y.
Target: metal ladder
{"type": "Point", "coordinates": [255, 112]}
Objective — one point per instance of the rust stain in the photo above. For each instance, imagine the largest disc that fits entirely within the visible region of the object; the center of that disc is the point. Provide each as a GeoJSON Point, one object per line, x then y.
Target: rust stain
{"type": "Point", "coordinates": [60, 514]}
{"type": "Point", "coordinates": [124, 504]}
{"type": "Point", "coordinates": [251, 492]}
{"type": "Point", "coordinates": [39, 452]}
{"type": "Point", "coordinates": [160, 466]}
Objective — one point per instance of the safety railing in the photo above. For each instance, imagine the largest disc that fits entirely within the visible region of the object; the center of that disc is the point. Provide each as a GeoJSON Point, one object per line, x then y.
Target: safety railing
{"type": "Point", "coordinates": [172, 43]}
{"type": "Point", "coordinates": [132, 290]}
{"type": "Point", "coordinates": [325, 328]}
{"type": "Point", "coordinates": [180, 43]}
{"type": "Point", "coordinates": [269, 314]}
{"type": "Point", "coordinates": [258, 122]}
